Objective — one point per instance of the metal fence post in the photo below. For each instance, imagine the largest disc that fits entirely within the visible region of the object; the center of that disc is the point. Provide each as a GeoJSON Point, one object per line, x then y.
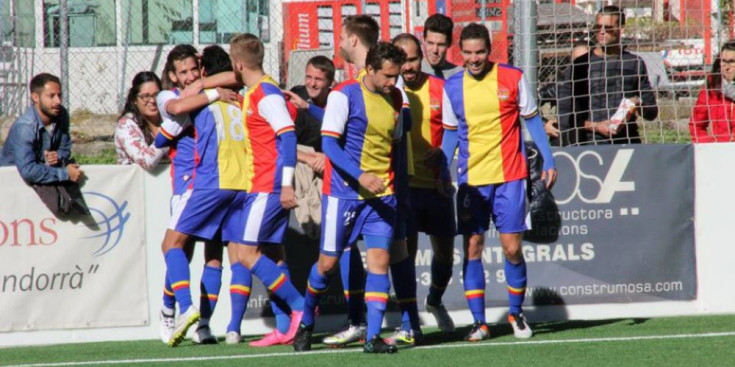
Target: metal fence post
{"type": "Point", "coordinates": [64, 50]}
{"type": "Point", "coordinates": [525, 47]}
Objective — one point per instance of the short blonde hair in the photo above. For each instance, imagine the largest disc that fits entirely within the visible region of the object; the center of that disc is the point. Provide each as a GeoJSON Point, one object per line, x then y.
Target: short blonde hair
{"type": "Point", "coordinates": [248, 49]}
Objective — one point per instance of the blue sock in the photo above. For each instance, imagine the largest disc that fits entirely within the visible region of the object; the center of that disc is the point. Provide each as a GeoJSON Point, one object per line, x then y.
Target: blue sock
{"type": "Point", "coordinates": [169, 301]}
{"type": "Point", "coordinates": [376, 298]}
{"type": "Point", "coordinates": [316, 286]}
{"type": "Point", "coordinates": [281, 311]}
{"type": "Point", "coordinates": [177, 270]}
{"type": "Point", "coordinates": [515, 275]}
{"type": "Point", "coordinates": [277, 282]}
{"type": "Point", "coordinates": [210, 287]}
{"type": "Point", "coordinates": [440, 276]}
{"type": "Point", "coordinates": [240, 285]}
{"type": "Point", "coordinates": [404, 283]}
{"type": "Point", "coordinates": [352, 273]}
{"type": "Point", "coordinates": [474, 288]}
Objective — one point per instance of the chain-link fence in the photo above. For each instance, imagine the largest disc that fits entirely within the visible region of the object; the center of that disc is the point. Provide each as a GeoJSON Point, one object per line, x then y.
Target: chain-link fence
{"type": "Point", "coordinates": [109, 41]}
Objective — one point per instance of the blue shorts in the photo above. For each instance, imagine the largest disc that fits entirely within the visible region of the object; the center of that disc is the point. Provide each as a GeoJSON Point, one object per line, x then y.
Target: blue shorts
{"type": "Point", "coordinates": [204, 212]}
{"type": "Point", "coordinates": [505, 203]}
{"type": "Point", "coordinates": [431, 213]}
{"type": "Point", "coordinates": [344, 220]}
{"type": "Point", "coordinates": [261, 220]}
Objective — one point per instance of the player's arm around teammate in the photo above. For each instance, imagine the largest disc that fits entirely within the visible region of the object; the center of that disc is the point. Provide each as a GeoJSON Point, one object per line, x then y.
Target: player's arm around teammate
{"type": "Point", "coordinates": [432, 209]}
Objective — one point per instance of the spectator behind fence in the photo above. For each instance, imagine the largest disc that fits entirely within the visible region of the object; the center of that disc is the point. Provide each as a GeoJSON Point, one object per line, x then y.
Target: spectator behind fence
{"type": "Point", "coordinates": [606, 89]}
{"type": "Point", "coordinates": [138, 124]}
{"type": "Point", "coordinates": [548, 92]}
{"type": "Point", "coordinates": [310, 99]}
{"type": "Point", "coordinates": [715, 107]}
{"type": "Point", "coordinates": [38, 143]}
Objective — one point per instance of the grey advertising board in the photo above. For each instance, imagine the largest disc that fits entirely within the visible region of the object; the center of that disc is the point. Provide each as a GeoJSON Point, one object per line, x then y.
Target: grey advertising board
{"type": "Point", "coordinates": [626, 235]}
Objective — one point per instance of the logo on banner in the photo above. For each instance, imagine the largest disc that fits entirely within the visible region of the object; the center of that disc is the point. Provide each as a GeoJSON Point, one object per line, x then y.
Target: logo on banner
{"type": "Point", "coordinates": [590, 185]}
{"type": "Point", "coordinates": [110, 218]}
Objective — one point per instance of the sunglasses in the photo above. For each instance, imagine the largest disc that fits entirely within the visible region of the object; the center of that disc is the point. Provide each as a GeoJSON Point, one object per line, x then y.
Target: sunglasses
{"type": "Point", "coordinates": [605, 28]}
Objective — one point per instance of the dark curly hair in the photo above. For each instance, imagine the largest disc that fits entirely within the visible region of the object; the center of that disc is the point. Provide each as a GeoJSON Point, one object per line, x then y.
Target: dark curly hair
{"type": "Point", "coordinates": [384, 51]}
{"type": "Point", "coordinates": [215, 60]}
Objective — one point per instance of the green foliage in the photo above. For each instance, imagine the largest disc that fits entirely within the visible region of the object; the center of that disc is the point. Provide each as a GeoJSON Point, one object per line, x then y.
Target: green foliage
{"type": "Point", "coordinates": [106, 156]}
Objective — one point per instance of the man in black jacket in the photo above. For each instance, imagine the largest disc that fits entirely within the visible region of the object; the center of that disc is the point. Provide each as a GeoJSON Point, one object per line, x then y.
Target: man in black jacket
{"type": "Point", "coordinates": [310, 99]}
{"type": "Point", "coordinates": [599, 83]}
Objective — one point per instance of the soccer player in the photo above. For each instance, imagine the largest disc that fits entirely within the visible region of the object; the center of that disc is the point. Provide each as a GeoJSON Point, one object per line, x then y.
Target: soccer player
{"type": "Point", "coordinates": [437, 40]}
{"type": "Point", "coordinates": [306, 104]}
{"type": "Point", "coordinates": [359, 33]}
{"type": "Point", "coordinates": [214, 144]}
{"type": "Point", "coordinates": [358, 186]}
{"type": "Point", "coordinates": [269, 160]}
{"type": "Point", "coordinates": [432, 210]}
{"type": "Point", "coordinates": [181, 70]}
{"type": "Point", "coordinates": [482, 110]}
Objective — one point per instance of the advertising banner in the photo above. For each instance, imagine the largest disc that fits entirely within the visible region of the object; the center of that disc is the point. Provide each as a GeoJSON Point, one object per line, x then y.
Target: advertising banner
{"type": "Point", "coordinates": [76, 271]}
{"type": "Point", "coordinates": [626, 235]}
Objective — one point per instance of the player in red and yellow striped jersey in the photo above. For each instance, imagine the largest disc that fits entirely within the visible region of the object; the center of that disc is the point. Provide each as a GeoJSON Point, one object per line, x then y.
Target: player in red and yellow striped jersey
{"type": "Point", "coordinates": [482, 111]}
{"type": "Point", "coordinates": [270, 156]}
{"type": "Point", "coordinates": [432, 209]}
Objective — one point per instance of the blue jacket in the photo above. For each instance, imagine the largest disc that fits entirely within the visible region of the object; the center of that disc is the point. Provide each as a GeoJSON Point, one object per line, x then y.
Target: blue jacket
{"type": "Point", "coordinates": [26, 142]}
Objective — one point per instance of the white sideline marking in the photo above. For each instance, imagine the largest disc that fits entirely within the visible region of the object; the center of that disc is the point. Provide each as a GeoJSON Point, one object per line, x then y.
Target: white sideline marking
{"type": "Point", "coordinates": [356, 350]}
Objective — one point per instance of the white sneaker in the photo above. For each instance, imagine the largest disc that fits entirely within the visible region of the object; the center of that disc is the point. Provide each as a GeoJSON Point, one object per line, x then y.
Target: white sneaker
{"type": "Point", "coordinates": [440, 313]}
{"type": "Point", "coordinates": [478, 333]}
{"type": "Point", "coordinates": [203, 335]}
{"type": "Point", "coordinates": [349, 335]}
{"type": "Point", "coordinates": [233, 337]}
{"type": "Point", "coordinates": [521, 330]}
{"type": "Point", "coordinates": [167, 324]}
{"type": "Point", "coordinates": [183, 323]}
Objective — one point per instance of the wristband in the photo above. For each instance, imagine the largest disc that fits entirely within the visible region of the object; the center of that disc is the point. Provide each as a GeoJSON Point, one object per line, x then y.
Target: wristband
{"type": "Point", "coordinates": [287, 176]}
{"type": "Point", "coordinates": [212, 95]}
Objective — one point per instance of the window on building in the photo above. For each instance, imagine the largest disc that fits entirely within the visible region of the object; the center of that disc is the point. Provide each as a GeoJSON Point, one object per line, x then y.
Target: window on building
{"type": "Point", "coordinates": [17, 24]}
{"type": "Point", "coordinates": [91, 23]}
{"type": "Point", "coordinates": [219, 20]}
{"type": "Point", "coordinates": [155, 22]}
{"type": "Point", "coordinates": [325, 22]}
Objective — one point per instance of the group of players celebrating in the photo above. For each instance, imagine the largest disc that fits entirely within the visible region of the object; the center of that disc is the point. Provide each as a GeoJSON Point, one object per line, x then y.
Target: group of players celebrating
{"type": "Point", "coordinates": [389, 136]}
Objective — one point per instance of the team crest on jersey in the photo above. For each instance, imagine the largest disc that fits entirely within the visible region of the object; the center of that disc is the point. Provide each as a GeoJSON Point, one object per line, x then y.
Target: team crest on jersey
{"type": "Point", "coordinates": [503, 94]}
{"type": "Point", "coordinates": [249, 111]}
{"type": "Point", "coordinates": [434, 104]}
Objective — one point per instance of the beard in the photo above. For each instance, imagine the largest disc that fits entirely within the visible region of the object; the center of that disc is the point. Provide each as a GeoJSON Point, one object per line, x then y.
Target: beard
{"type": "Point", "coordinates": [49, 111]}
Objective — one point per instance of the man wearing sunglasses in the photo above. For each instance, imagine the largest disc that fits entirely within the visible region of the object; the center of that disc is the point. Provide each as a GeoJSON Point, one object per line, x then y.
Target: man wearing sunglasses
{"type": "Point", "coordinates": [606, 89]}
